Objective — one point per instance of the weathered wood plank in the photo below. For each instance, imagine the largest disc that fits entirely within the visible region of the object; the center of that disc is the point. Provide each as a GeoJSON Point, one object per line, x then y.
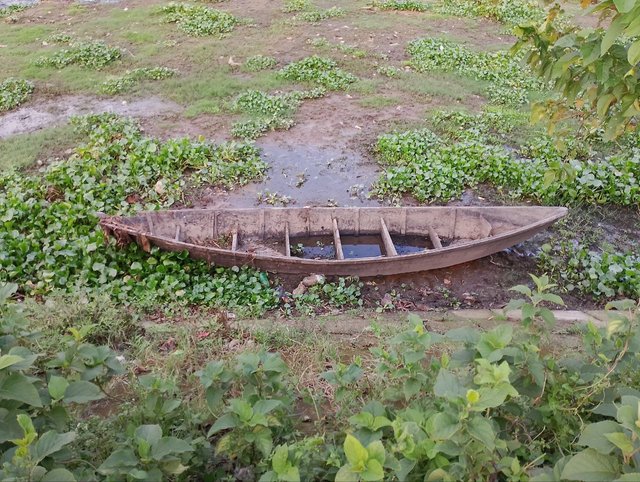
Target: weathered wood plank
{"type": "Point", "coordinates": [435, 239]}
{"type": "Point", "coordinates": [337, 242]}
{"type": "Point", "coordinates": [389, 247]}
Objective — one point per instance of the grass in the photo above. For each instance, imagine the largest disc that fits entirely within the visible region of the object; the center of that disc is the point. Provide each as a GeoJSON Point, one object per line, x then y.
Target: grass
{"type": "Point", "coordinates": [23, 150]}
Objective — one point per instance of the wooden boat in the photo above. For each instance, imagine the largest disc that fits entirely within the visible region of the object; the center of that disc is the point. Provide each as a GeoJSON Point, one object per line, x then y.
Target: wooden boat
{"type": "Point", "coordinates": [409, 239]}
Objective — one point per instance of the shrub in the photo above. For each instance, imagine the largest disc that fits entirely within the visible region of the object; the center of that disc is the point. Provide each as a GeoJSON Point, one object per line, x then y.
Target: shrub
{"type": "Point", "coordinates": [92, 55]}
{"type": "Point", "coordinates": [198, 20]}
{"type": "Point", "coordinates": [319, 70]}
{"type": "Point", "coordinates": [131, 78]}
{"type": "Point", "coordinates": [14, 92]}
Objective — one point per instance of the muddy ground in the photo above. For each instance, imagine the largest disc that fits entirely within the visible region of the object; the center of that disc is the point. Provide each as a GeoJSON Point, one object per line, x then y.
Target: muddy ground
{"type": "Point", "coordinates": [329, 148]}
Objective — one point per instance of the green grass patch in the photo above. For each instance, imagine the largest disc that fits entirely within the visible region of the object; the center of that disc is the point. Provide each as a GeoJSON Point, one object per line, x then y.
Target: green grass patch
{"type": "Point", "coordinates": [512, 12]}
{"type": "Point", "coordinates": [257, 63]}
{"type": "Point", "coordinates": [23, 150]}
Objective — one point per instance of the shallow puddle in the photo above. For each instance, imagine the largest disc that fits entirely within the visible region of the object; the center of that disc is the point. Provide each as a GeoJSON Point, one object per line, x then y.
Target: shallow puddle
{"type": "Point", "coordinates": [308, 175]}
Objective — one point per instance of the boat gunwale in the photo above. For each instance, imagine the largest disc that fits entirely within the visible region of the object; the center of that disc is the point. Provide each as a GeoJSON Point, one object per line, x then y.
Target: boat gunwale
{"type": "Point", "coordinates": [560, 212]}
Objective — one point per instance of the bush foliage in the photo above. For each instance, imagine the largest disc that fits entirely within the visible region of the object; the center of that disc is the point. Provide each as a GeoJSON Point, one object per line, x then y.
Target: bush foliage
{"type": "Point", "coordinates": [501, 404]}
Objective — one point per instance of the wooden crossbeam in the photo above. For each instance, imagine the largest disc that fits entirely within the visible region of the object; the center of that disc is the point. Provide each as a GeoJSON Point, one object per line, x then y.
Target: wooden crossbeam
{"type": "Point", "coordinates": [389, 247]}
{"type": "Point", "coordinates": [435, 239]}
{"type": "Point", "coordinates": [287, 241]}
{"type": "Point", "coordinates": [336, 240]}
{"type": "Point", "coordinates": [234, 239]}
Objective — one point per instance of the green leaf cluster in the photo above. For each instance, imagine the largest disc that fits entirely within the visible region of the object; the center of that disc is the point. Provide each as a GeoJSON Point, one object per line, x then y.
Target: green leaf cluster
{"type": "Point", "coordinates": [49, 234]}
{"type": "Point", "coordinates": [14, 92]}
{"type": "Point", "coordinates": [91, 55]}
{"type": "Point", "coordinates": [318, 70]}
{"type": "Point", "coordinates": [198, 20]}
{"type": "Point", "coordinates": [133, 77]}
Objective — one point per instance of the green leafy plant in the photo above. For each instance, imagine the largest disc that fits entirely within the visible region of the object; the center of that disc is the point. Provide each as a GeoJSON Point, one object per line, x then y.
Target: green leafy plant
{"type": "Point", "coordinates": [318, 70]}
{"type": "Point", "coordinates": [131, 78]}
{"type": "Point", "coordinates": [148, 455]}
{"type": "Point", "coordinates": [14, 92]}
{"type": "Point", "coordinates": [198, 20]}
{"type": "Point", "coordinates": [92, 55]}
{"type": "Point", "coordinates": [511, 12]}
{"type": "Point", "coordinates": [510, 83]}
{"type": "Point", "coordinates": [403, 5]}
{"type": "Point", "coordinates": [259, 62]}
{"type": "Point", "coordinates": [315, 16]}
{"type": "Point", "coordinates": [268, 112]}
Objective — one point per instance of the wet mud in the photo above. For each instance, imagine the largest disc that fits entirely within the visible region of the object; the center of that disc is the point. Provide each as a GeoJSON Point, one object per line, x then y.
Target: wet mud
{"type": "Point", "coordinates": [38, 115]}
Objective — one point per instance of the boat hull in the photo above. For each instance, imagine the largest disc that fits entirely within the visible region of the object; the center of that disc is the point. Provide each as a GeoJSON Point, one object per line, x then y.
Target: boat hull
{"type": "Point", "coordinates": [363, 267]}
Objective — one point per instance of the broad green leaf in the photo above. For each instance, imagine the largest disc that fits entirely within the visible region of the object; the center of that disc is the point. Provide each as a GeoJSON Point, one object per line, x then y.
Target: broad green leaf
{"type": "Point", "coordinates": [621, 441]}
{"type": "Point", "coordinates": [18, 387]}
{"type": "Point", "coordinates": [265, 406]}
{"type": "Point", "coordinates": [355, 452]}
{"type": "Point", "coordinates": [376, 451]}
{"type": "Point", "coordinates": [591, 466]}
{"type": "Point", "coordinates": [120, 459]}
{"type": "Point", "coordinates": [280, 459]}
{"type": "Point", "coordinates": [149, 433]}
{"type": "Point", "coordinates": [612, 33]}
{"type": "Point", "coordinates": [57, 387]}
{"type": "Point", "coordinates": [228, 420]}
{"type": "Point", "coordinates": [8, 360]}
{"type": "Point", "coordinates": [345, 474]}
{"type": "Point", "coordinates": [82, 392]}
{"type": "Point", "coordinates": [242, 409]}
{"type": "Point", "coordinates": [444, 426]}
{"type": "Point", "coordinates": [593, 436]}
{"type": "Point", "coordinates": [633, 55]}
{"type": "Point", "coordinates": [604, 103]}
{"type": "Point", "coordinates": [448, 386]}
{"type": "Point", "coordinates": [481, 430]}
{"type": "Point", "coordinates": [373, 471]}
{"type": "Point", "coordinates": [58, 475]}
{"type": "Point", "coordinates": [49, 443]}
{"type": "Point", "coordinates": [169, 446]}
{"type": "Point", "coordinates": [624, 6]}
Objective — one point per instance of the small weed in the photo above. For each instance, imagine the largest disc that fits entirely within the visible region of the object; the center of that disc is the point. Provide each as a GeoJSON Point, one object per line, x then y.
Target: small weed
{"type": "Point", "coordinates": [91, 55]}
{"type": "Point", "coordinates": [274, 198]}
{"type": "Point", "coordinates": [131, 78]}
{"type": "Point", "coordinates": [8, 12]}
{"type": "Point", "coordinates": [403, 5]}
{"type": "Point", "coordinates": [315, 16]}
{"type": "Point", "coordinates": [319, 70]}
{"type": "Point", "coordinates": [198, 20]}
{"type": "Point", "coordinates": [259, 62]}
{"type": "Point", "coordinates": [14, 92]}
{"type": "Point", "coordinates": [296, 6]}
{"type": "Point", "coordinates": [388, 71]}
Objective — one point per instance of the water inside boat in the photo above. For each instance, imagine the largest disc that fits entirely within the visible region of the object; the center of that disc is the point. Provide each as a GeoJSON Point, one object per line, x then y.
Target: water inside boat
{"type": "Point", "coordinates": [354, 247]}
